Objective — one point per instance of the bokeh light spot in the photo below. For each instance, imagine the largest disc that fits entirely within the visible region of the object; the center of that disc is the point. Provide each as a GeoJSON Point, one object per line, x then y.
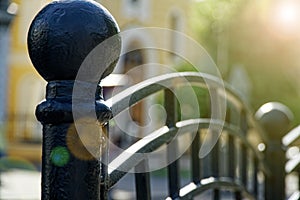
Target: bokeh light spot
{"type": "Point", "coordinates": [261, 147]}
{"type": "Point", "coordinates": [285, 18]}
{"type": "Point", "coordinates": [60, 156]}
{"type": "Point", "coordinates": [287, 13]}
{"type": "Point", "coordinates": [86, 139]}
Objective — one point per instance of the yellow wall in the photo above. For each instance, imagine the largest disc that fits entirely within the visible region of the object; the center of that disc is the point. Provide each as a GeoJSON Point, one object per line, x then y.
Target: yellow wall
{"type": "Point", "coordinates": [159, 15]}
{"type": "Point", "coordinates": [23, 83]}
{"type": "Point", "coordinates": [19, 62]}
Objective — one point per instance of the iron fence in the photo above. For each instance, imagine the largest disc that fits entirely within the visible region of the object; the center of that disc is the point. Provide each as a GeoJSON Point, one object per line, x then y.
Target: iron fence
{"type": "Point", "coordinates": [76, 147]}
{"type": "Point", "coordinates": [243, 163]}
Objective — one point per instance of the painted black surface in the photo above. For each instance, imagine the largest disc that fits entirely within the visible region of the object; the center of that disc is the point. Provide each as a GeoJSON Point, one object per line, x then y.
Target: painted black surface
{"type": "Point", "coordinates": [64, 33]}
{"type": "Point", "coordinates": [57, 108]}
{"type": "Point", "coordinates": [79, 177]}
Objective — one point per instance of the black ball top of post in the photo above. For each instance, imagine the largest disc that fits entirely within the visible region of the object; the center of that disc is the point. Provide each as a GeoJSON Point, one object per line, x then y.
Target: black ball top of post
{"type": "Point", "coordinates": [275, 119]}
{"type": "Point", "coordinates": [64, 32]}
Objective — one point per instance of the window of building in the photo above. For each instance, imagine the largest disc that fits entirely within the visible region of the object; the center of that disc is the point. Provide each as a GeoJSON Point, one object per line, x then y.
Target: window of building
{"type": "Point", "coordinates": [175, 38]}
{"type": "Point", "coordinates": [138, 9]}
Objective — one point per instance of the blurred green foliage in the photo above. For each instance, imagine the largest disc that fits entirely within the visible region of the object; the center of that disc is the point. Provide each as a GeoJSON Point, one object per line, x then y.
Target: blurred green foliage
{"type": "Point", "coordinates": [8, 163]}
{"type": "Point", "coordinates": [243, 30]}
{"type": "Point", "coordinates": [2, 140]}
{"type": "Point", "coordinates": [202, 95]}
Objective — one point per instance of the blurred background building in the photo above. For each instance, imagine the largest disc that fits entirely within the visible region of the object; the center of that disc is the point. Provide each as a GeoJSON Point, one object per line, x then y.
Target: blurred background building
{"type": "Point", "coordinates": [253, 43]}
{"type": "Point", "coordinates": [26, 88]}
{"type": "Point", "coordinates": [7, 13]}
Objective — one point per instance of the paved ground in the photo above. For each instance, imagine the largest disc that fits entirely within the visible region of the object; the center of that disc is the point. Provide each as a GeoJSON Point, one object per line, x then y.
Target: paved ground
{"type": "Point", "coordinates": [25, 185]}
{"type": "Point", "coordinates": [125, 190]}
{"type": "Point", "coordinates": [20, 185]}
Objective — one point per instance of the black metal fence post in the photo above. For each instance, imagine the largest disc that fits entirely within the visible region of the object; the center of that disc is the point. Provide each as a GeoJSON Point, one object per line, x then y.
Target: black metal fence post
{"type": "Point", "coordinates": [275, 118]}
{"type": "Point", "coordinates": [60, 38]}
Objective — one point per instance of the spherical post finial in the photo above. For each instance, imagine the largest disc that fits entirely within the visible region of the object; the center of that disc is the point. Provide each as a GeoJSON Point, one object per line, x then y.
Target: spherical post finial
{"type": "Point", "coordinates": [275, 119]}
{"type": "Point", "coordinates": [64, 32]}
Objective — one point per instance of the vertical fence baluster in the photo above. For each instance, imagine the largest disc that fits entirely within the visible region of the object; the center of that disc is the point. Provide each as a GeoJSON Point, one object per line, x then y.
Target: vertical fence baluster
{"type": "Point", "coordinates": [214, 154]}
{"type": "Point", "coordinates": [142, 181]}
{"type": "Point", "coordinates": [244, 152]}
{"type": "Point", "coordinates": [104, 166]}
{"type": "Point", "coordinates": [255, 178]}
{"type": "Point", "coordinates": [238, 195]}
{"type": "Point", "coordinates": [173, 168]}
{"type": "Point", "coordinates": [224, 156]}
{"type": "Point", "coordinates": [224, 148]}
{"type": "Point", "coordinates": [244, 165]}
{"type": "Point", "coordinates": [195, 165]}
{"type": "Point", "coordinates": [215, 160]}
{"type": "Point", "coordinates": [234, 151]}
{"type": "Point", "coordinates": [206, 169]}
{"type": "Point", "coordinates": [173, 178]}
{"type": "Point", "coordinates": [250, 172]}
{"type": "Point", "coordinates": [238, 164]}
{"type": "Point", "coordinates": [231, 157]}
{"type": "Point", "coordinates": [215, 167]}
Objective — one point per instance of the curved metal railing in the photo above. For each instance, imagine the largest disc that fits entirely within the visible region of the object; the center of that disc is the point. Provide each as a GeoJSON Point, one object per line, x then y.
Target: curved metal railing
{"type": "Point", "coordinates": [244, 162]}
